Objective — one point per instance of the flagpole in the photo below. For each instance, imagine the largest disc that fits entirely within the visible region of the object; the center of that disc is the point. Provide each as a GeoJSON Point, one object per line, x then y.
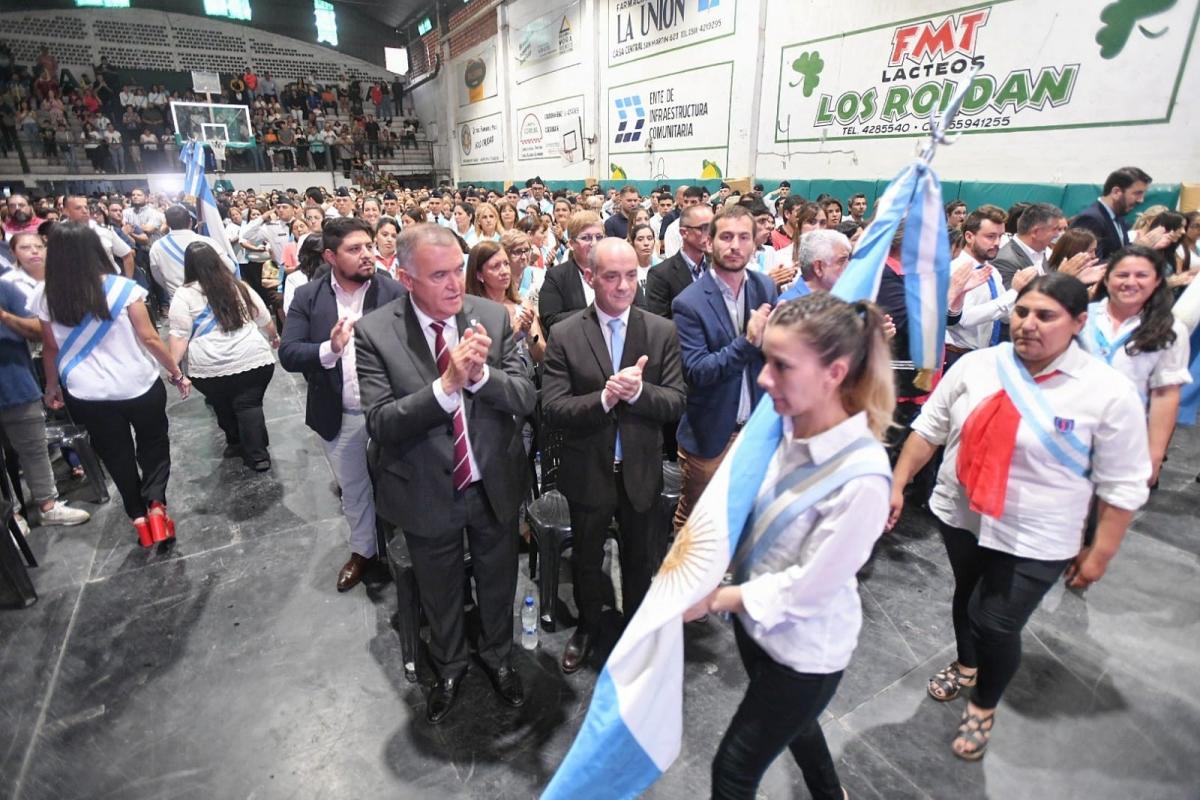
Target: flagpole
{"type": "Point", "coordinates": [940, 125]}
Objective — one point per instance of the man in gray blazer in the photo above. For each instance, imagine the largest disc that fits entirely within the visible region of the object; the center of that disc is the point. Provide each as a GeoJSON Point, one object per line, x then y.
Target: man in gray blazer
{"type": "Point", "coordinates": [1037, 227]}
{"type": "Point", "coordinates": [443, 388]}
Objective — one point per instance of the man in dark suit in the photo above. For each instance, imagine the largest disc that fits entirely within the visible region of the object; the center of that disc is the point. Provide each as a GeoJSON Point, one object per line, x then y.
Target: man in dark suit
{"type": "Point", "coordinates": [564, 290]}
{"type": "Point", "coordinates": [1124, 190]}
{"type": "Point", "coordinates": [318, 341]}
{"type": "Point", "coordinates": [1037, 227]}
{"type": "Point", "coordinates": [720, 319]}
{"type": "Point", "coordinates": [671, 276]}
{"type": "Point", "coordinates": [612, 379]}
{"type": "Point", "coordinates": [443, 387]}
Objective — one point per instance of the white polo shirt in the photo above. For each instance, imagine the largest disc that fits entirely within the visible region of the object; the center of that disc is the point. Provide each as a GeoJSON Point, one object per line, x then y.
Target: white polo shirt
{"type": "Point", "coordinates": [1147, 371]}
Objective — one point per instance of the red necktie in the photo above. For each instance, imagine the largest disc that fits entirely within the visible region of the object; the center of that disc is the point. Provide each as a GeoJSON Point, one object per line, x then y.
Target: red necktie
{"type": "Point", "coordinates": [462, 463]}
{"type": "Point", "coordinates": [985, 451]}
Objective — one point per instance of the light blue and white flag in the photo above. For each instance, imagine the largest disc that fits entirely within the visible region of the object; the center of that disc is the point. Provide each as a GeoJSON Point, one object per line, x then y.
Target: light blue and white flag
{"type": "Point", "coordinates": [634, 727]}
{"type": "Point", "coordinates": [196, 190]}
{"type": "Point", "coordinates": [915, 198]}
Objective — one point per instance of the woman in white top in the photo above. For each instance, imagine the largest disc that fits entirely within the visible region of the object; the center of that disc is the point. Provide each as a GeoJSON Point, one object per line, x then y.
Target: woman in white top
{"type": "Point", "coordinates": [1032, 431]}
{"type": "Point", "coordinates": [487, 223]}
{"type": "Point", "coordinates": [464, 223]}
{"type": "Point", "coordinates": [489, 274]}
{"type": "Point", "coordinates": [641, 236]}
{"type": "Point", "coordinates": [1131, 327]}
{"type": "Point", "coordinates": [310, 260]}
{"type": "Point", "coordinates": [99, 352]}
{"type": "Point", "coordinates": [385, 246]}
{"type": "Point", "coordinates": [798, 614]}
{"type": "Point", "coordinates": [215, 319]}
{"type": "Point", "coordinates": [525, 276]}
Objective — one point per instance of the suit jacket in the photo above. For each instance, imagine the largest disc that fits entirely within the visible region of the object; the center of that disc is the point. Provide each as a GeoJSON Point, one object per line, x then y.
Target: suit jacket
{"type": "Point", "coordinates": [1097, 220]}
{"type": "Point", "coordinates": [715, 358]}
{"type": "Point", "coordinates": [311, 317]}
{"type": "Point", "coordinates": [1011, 259]}
{"type": "Point", "coordinates": [575, 370]}
{"type": "Point", "coordinates": [396, 370]}
{"type": "Point", "coordinates": [664, 282]}
{"type": "Point", "coordinates": [562, 294]}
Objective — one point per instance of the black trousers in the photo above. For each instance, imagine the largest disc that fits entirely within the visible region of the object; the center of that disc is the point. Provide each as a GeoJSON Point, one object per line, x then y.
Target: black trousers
{"type": "Point", "coordinates": [439, 568]}
{"type": "Point", "coordinates": [641, 553]}
{"type": "Point", "coordinates": [237, 400]}
{"type": "Point", "coordinates": [995, 593]}
{"type": "Point", "coordinates": [139, 462]}
{"type": "Point", "coordinates": [782, 708]}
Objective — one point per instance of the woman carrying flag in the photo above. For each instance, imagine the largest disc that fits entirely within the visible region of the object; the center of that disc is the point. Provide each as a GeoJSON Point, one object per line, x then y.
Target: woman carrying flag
{"type": "Point", "coordinates": [99, 349]}
{"type": "Point", "coordinates": [1131, 327]}
{"type": "Point", "coordinates": [823, 503]}
{"type": "Point", "coordinates": [1032, 430]}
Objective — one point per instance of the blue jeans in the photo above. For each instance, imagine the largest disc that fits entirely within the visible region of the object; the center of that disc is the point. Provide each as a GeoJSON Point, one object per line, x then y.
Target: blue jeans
{"type": "Point", "coordinates": [781, 709]}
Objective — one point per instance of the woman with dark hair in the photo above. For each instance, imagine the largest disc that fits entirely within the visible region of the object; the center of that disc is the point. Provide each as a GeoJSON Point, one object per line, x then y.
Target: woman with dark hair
{"type": "Point", "coordinates": [641, 236]}
{"type": "Point", "coordinates": [1075, 254]}
{"type": "Point", "coordinates": [1131, 327]}
{"type": "Point", "coordinates": [1033, 430]}
{"type": "Point", "coordinates": [215, 319]}
{"type": "Point", "coordinates": [99, 352]}
{"type": "Point", "coordinates": [308, 255]}
{"type": "Point", "coordinates": [386, 232]}
{"type": "Point", "coordinates": [1179, 265]}
{"type": "Point", "coordinates": [489, 274]}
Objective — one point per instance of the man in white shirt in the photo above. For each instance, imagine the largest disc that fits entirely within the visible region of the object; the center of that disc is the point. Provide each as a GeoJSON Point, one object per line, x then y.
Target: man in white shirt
{"type": "Point", "coordinates": [120, 255]}
{"type": "Point", "coordinates": [1037, 226]}
{"type": "Point", "coordinates": [672, 237]}
{"type": "Point", "coordinates": [167, 254]}
{"type": "Point", "coordinates": [537, 197]}
{"type": "Point", "coordinates": [985, 307]}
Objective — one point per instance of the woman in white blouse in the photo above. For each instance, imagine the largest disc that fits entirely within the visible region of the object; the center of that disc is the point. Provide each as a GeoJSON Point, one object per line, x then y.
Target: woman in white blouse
{"type": "Point", "coordinates": [464, 223]}
{"type": "Point", "coordinates": [216, 320]}
{"type": "Point", "coordinates": [798, 613]}
{"type": "Point", "coordinates": [386, 232]}
{"type": "Point", "coordinates": [1032, 430]}
{"type": "Point", "coordinates": [100, 350]}
{"type": "Point", "coordinates": [1131, 327]}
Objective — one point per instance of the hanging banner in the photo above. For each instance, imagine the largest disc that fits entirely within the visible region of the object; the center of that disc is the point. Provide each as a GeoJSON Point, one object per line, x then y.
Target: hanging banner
{"type": "Point", "coordinates": [541, 128]}
{"type": "Point", "coordinates": [476, 75]}
{"type": "Point", "coordinates": [480, 140]}
{"type": "Point", "coordinates": [686, 110]}
{"type": "Point", "coordinates": [545, 44]}
{"type": "Point", "coordinates": [885, 81]}
{"type": "Point", "coordinates": [639, 29]}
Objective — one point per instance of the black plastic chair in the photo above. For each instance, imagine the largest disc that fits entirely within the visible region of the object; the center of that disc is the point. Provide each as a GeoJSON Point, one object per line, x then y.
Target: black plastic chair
{"type": "Point", "coordinates": [16, 589]}
{"type": "Point", "coordinates": [65, 434]}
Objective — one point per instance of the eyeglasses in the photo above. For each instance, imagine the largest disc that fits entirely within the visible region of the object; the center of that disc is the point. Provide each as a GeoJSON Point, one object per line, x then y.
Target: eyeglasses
{"type": "Point", "coordinates": [591, 238]}
{"type": "Point", "coordinates": [519, 252]}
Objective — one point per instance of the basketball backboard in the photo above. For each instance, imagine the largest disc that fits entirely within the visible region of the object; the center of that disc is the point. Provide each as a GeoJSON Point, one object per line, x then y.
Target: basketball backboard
{"type": "Point", "coordinates": [208, 122]}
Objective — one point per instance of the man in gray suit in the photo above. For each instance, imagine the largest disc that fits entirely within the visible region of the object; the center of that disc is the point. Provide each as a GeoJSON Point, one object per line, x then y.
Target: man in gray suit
{"type": "Point", "coordinates": [1038, 227]}
{"type": "Point", "coordinates": [443, 386]}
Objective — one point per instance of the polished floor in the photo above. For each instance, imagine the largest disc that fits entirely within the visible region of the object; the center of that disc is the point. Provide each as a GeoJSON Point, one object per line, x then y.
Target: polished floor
{"type": "Point", "coordinates": [231, 668]}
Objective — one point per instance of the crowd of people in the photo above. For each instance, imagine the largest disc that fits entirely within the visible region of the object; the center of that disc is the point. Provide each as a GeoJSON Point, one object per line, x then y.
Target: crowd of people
{"type": "Point", "coordinates": [451, 335]}
{"type": "Point", "coordinates": [120, 126]}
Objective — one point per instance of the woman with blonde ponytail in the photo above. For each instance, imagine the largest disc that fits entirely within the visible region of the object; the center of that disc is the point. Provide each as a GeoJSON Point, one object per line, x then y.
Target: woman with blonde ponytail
{"type": "Point", "coordinates": [822, 505]}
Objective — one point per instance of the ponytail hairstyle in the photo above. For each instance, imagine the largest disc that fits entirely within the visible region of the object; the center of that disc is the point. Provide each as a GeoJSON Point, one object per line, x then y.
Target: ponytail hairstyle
{"type": "Point", "coordinates": [228, 297]}
{"type": "Point", "coordinates": [1156, 332]}
{"type": "Point", "coordinates": [836, 329]}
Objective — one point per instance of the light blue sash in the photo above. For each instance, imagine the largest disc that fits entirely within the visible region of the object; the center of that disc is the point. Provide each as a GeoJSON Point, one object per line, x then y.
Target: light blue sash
{"type": "Point", "coordinates": [1055, 433]}
{"type": "Point", "coordinates": [1098, 344]}
{"type": "Point", "coordinates": [85, 336]}
{"type": "Point", "coordinates": [204, 323]}
{"type": "Point", "coordinates": [172, 249]}
{"type": "Point", "coordinates": [798, 490]}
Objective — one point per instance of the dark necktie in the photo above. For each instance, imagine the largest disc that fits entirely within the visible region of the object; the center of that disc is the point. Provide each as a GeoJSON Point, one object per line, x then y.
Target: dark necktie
{"type": "Point", "coordinates": [462, 463]}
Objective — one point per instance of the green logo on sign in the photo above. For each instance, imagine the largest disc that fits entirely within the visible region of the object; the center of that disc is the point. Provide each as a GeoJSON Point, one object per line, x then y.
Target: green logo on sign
{"type": "Point", "coordinates": [809, 66]}
{"type": "Point", "coordinates": [1119, 19]}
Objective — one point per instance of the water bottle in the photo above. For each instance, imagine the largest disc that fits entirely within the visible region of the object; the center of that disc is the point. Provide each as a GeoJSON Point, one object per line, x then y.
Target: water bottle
{"type": "Point", "coordinates": [529, 623]}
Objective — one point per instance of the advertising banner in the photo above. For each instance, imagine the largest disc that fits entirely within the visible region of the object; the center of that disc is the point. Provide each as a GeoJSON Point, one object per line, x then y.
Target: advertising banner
{"type": "Point", "coordinates": [545, 44]}
{"type": "Point", "coordinates": [481, 140]}
{"type": "Point", "coordinates": [1041, 69]}
{"type": "Point", "coordinates": [540, 128]}
{"type": "Point", "coordinates": [475, 74]}
{"type": "Point", "coordinates": [639, 29]}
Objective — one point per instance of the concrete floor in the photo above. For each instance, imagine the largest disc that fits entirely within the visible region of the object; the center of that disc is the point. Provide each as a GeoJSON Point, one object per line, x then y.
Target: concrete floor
{"type": "Point", "coordinates": [231, 668]}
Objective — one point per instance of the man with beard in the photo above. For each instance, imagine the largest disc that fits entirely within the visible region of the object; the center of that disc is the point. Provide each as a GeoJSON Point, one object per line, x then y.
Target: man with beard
{"type": "Point", "coordinates": [20, 216]}
{"type": "Point", "coordinates": [987, 306]}
{"type": "Point", "coordinates": [1124, 190]}
{"type": "Point", "coordinates": [144, 224]}
{"type": "Point", "coordinates": [720, 320]}
{"type": "Point", "coordinates": [318, 341]}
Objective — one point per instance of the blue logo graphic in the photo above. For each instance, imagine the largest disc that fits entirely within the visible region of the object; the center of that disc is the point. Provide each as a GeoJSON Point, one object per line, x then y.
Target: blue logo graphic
{"type": "Point", "coordinates": [705, 5]}
{"type": "Point", "coordinates": [1063, 425]}
{"type": "Point", "coordinates": [629, 109]}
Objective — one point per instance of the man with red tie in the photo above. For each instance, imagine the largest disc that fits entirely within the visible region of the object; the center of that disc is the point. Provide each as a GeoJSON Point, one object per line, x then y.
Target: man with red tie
{"type": "Point", "coordinates": [443, 386]}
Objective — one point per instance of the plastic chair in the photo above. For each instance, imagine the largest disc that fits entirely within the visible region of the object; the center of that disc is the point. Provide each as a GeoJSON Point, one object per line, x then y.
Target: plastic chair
{"type": "Point", "coordinates": [16, 589]}
{"type": "Point", "coordinates": [65, 434]}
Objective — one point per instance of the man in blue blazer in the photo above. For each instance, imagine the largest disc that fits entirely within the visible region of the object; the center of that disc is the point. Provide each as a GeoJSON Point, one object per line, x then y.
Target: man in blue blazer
{"type": "Point", "coordinates": [318, 341]}
{"type": "Point", "coordinates": [1124, 190]}
{"type": "Point", "coordinates": [720, 320]}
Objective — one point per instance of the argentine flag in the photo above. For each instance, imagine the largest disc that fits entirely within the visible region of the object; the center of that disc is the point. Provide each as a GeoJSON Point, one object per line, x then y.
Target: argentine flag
{"type": "Point", "coordinates": [196, 190]}
{"type": "Point", "coordinates": [634, 727]}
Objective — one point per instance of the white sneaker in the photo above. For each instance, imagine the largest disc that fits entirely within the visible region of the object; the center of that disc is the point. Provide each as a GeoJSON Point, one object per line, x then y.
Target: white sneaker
{"type": "Point", "coordinates": [62, 514]}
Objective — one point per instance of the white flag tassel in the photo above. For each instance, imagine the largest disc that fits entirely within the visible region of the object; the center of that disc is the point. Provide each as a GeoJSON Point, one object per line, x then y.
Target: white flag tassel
{"type": "Point", "coordinates": [196, 190]}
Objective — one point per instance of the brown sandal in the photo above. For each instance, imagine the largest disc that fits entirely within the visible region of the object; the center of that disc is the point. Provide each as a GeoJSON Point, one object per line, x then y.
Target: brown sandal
{"type": "Point", "coordinates": [947, 684]}
{"type": "Point", "coordinates": [975, 730]}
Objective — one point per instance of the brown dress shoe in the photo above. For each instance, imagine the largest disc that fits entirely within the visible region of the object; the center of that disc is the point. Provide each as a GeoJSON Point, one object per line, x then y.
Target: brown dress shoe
{"type": "Point", "coordinates": [351, 573]}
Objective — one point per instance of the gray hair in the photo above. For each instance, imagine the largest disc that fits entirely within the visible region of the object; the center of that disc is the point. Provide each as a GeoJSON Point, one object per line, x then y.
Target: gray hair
{"type": "Point", "coordinates": [1038, 214]}
{"type": "Point", "coordinates": [819, 245]}
{"type": "Point", "coordinates": [424, 234]}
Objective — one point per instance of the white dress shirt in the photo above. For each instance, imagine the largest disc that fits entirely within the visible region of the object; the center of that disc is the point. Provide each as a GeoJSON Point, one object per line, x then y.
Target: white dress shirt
{"type": "Point", "coordinates": [113, 245]}
{"type": "Point", "coordinates": [606, 332]}
{"type": "Point", "coordinates": [980, 310]}
{"type": "Point", "coordinates": [672, 240]}
{"type": "Point", "coordinates": [1036, 257]}
{"type": "Point", "coordinates": [801, 599]}
{"type": "Point", "coordinates": [1147, 371]}
{"type": "Point", "coordinates": [451, 402]}
{"type": "Point", "coordinates": [736, 306]}
{"type": "Point", "coordinates": [169, 272]}
{"type": "Point", "coordinates": [1046, 503]}
{"type": "Point", "coordinates": [350, 306]}
{"type": "Point", "coordinates": [589, 294]}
